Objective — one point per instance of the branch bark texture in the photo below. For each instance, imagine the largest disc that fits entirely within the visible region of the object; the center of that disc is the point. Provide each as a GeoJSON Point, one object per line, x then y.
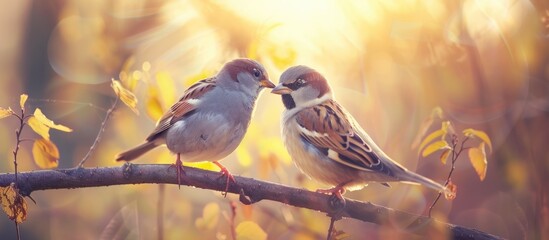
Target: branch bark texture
{"type": "Point", "coordinates": [250, 191]}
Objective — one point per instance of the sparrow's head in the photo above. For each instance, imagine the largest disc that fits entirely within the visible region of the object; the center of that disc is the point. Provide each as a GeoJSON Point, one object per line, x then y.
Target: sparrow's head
{"type": "Point", "coordinates": [301, 86]}
{"type": "Point", "coordinates": [246, 75]}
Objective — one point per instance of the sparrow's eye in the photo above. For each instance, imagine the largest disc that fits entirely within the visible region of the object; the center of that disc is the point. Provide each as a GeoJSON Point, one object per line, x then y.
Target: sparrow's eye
{"type": "Point", "coordinates": [256, 72]}
{"type": "Point", "coordinates": [300, 82]}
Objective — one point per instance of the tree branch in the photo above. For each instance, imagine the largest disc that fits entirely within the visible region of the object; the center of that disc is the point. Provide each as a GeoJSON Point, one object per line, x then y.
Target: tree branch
{"type": "Point", "coordinates": [250, 190]}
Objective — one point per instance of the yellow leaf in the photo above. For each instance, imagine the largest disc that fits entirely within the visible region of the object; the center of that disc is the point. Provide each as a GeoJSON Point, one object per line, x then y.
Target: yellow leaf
{"type": "Point", "coordinates": [422, 131]}
{"type": "Point", "coordinates": [480, 134]}
{"type": "Point", "coordinates": [49, 123]}
{"type": "Point", "coordinates": [13, 204]}
{"type": "Point", "coordinates": [210, 166]}
{"type": "Point", "coordinates": [125, 95]}
{"type": "Point", "coordinates": [430, 138]}
{"type": "Point", "coordinates": [251, 52]}
{"type": "Point", "coordinates": [444, 155]}
{"type": "Point", "coordinates": [166, 86]}
{"type": "Point", "coordinates": [447, 128]}
{"type": "Point", "coordinates": [204, 74]}
{"type": "Point", "coordinates": [433, 147]}
{"type": "Point", "coordinates": [436, 113]}
{"type": "Point", "coordinates": [39, 128]}
{"type": "Point", "coordinates": [5, 112]}
{"type": "Point", "coordinates": [154, 107]}
{"type": "Point", "coordinates": [282, 55]}
{"type": "Point", "coordinates": [477, 156]}
{"type": "Point", "coordinates": [23, 100]}
{"type": "Point", "coordinates": [243, 156]}
{"type": "Point", "coordinates": [249, 230]}
{"type": "Point", "coordinates": [45, 153]}
{"type": "Point", "coordinates": [210, 217]}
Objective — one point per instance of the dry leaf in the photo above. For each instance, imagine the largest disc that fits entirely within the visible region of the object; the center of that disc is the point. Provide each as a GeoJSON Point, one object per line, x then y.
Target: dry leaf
{"type": "Point", "coordinates": [39, 128]}
{"type": "Point", "coordinates": [23, 100]}
{"type": "Point", "coordinates": [45, 153]}
{"type": "Point", "coordinates": [13, 204]}
{"type": "Point", "coordinates": [125, 95]}
{"type": "Point", "coordinates": [249, 230]}
{"type": "Point", "coordinates": [480, 134]}
{"type": "Point", "coordinates": [477, 156]}
{"type": "Point", "coordinates": [210, 217]}
{"type": "Point", "coordinates": [433, 147]}
{"type": "Point", "coordinates": [5, 112]}
{"type": "Point", "coordinates": [49, 123]}
{"type": "Point", "coordinates": [452, 191]}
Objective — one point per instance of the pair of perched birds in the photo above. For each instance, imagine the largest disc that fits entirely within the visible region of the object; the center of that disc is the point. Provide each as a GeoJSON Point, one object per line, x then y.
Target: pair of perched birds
{"type": "Point", "coordinates": [323, 139]}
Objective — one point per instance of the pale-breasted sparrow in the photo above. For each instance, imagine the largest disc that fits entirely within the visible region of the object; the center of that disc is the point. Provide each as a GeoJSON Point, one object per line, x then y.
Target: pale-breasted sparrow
{"type": "Point", "coordinates": [325, 141]}
{"type": "Point", "coordinates": [211, 118]}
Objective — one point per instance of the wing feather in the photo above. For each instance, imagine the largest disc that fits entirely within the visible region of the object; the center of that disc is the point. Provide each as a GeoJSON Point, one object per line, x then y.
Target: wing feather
{"type": "Point", "coordinates": [327, 126]}
{"type": "Point", "coordinates": [184, 107]}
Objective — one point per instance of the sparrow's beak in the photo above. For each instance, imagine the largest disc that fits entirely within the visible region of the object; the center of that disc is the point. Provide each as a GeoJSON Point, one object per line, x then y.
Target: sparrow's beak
{"type": "Point", "coordinates": [281, 89]}
{"type": "Point", "coordinates": [266, 83]}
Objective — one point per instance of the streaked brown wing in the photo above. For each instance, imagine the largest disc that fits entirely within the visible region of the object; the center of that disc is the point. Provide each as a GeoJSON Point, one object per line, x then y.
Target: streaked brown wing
{"type": "Point", "coordinates": [326, 127]}
{"type": "Point", "coordinates": [182, 108]}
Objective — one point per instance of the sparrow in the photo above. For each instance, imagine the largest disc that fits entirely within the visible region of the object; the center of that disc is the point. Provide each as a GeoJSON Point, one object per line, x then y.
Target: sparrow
{"type": "Point", "coordinates": [210, 119]}
{"type": "Point", "coordinates": [327, 144]}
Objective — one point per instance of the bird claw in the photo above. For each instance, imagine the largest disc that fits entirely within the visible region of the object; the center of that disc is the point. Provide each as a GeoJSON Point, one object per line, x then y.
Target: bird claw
{"type": "Point", "coordinates": [336, 201]}
{"type": "Point", "coordinates": [179, 168]}
{"type": "Point", "coordinates": [225, 172]}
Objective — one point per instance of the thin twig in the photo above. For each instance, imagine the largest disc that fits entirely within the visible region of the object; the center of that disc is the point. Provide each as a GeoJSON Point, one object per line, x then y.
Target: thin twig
{"type": "Point", "coordinates": [99, 134]}
{"type": "Point", "coordinates": [232, 221]}
{"type": "Point", "coordinates": [254, 190]}
{"type": "Point", "coordinates": [331, 228]}
{"type": "Point", "coordinates": [17, 230]}
{"type": "Point", "coordinates": [87, 104]}
{"type": "Point", "coordinates": [455, 156]}
{"type": "Point", "coordinates": [18, 132]}
{"type": "Point", "coordinates": [160, 213]}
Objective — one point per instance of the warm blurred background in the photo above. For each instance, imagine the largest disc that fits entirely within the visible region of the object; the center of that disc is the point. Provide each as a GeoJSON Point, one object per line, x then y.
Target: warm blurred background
{"type": "Point", "coordinates": [485, 63]}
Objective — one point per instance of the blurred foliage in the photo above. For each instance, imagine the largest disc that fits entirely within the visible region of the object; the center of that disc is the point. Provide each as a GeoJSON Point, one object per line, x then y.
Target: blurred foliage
{"type": "Point", "coordinates": [485, 63]}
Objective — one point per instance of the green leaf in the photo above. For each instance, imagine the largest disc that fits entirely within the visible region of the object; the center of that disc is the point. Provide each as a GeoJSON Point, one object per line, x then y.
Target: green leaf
{"type": "Point", "coordinates": [480, 134]}
{"type": "Point", "coordinates": [433, 147]}
{"type": "Point", "coordinates": [477, 156]}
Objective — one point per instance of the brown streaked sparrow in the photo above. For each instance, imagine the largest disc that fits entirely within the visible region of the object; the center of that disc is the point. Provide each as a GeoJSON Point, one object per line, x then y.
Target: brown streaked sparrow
{"type": "Point", "coordinates": [211, 118]}
{"type": "Point", "coordinates": [325, 141]}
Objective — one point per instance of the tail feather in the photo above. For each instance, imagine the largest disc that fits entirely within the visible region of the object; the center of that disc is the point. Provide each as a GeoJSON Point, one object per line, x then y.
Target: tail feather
{"type": "Point", "coordinates": [136, 151]}
{"type": "Point", "coordinates": [416, 178]}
